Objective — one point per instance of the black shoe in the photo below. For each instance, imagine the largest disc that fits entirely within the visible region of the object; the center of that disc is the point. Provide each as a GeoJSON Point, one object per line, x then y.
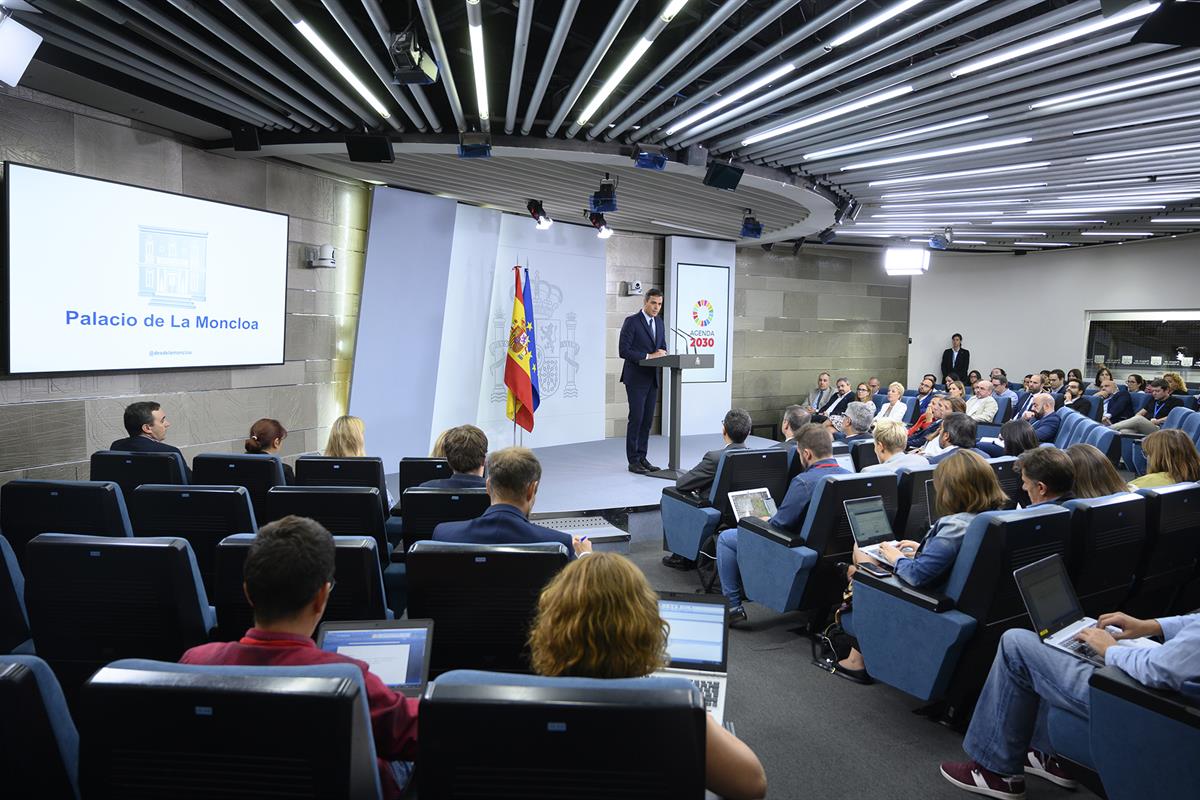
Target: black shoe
{"type": "Point", "coordinates": [854, 675]}
{"type": "Point", "coordinates": [676, 561]}
{"type": "Point", "coordinates": [649, 467]}
{"type": "Point", "coordinates": [636, 468]}
{"type": "Point", "coordinates": [737, 617]}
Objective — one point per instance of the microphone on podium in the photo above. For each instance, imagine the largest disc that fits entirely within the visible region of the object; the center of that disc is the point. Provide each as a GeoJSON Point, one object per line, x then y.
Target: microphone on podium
{"type": "Point", "coordinates": [686, 338]}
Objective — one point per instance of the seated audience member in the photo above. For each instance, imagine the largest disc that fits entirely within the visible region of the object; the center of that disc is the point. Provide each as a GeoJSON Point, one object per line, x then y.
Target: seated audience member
{"type": "Point", "coordinates": [513, 475]}
{"type": "Point", "coordinates": [982, 407]}
{"type": "Point", "coordinates": [1047, 476]}
{"type": "Point", "coordinates": [873, 384]}
{"type": "Point", "coordinates": [951, 378]}
{"type": "Point", "coordinates": [439, 445]}
{"type": "Point", "coordinates": [1016, 436]}
{"type": "Point", "coordinates": [1044, 419]}
{"type": "Point", "coordinates": [1073, 398]}
{"type": "Point", "coordinates": [1116, 406]}
{"type": "Point", "coordinates": [1000, 388]}
{"type": "Point", "coordinates": [814, 446]}
{"type": "Point", "coordinates": [855, 424]}
{"type": "Point", "coordinates": [287, 578]}
{"type": "Point", "coordinates": [891, 437]}
{"type": "Point", "coordinates": [1151, 418]}
{"type": "Point", "coordinates": [862, 394]}
{"type": "Point", "coordinates": [734, 430]}
{"type": "Point", "coordinates": [465, 447]}
{"type": "Point", "coordinates": [924, 394]}
{"type": "Point", "coordinates": [146, 423]}
{"type": "Point", "coordinates": [598, 618]}
{"type": "Point", "coordinates": [1025, 382]}
{"type": "Point", "coordinates": [894, 408]}
{"type": "Point", "coordinates": [1103, 374]}
{"type": "Point", "coordinates": [1135, 383]}
{"type": "Point", "coordinates": [794, 418]}
{"type": "Point", "coordinates": [1033, 387]}
{"type": "Point", "coordinates": [835, 406]}
{"type": "Point", "coordinates": [997, 372]}
{"type": "Point", "coordinates": [819, 396]}
{"type": "Point", "coordinates": [1170, 458]}
{"type": "Point", "coordinates": [956, 389]}
{"type": "Point", "coordinates": [347, 438]}
{"type": "Point", "coordinates": [1176, 382]}
{"type": "Point", "coordinates": [973, 377]}
{"type": "Point", "coordinates": [964, 487]}
{"type": "Point", "coordinates": [1058, 381]}
{"type": "Point", "coordinates": [266, 437]}
{"type": "Point", "coordinates": [958, 433]}
{"type": "Point", "coordinates": [1074, 375]}
{"type": "Point", "coordinates": [929, 423]}
{"type": "Point", "coordinates": [933, 443]}
{"type": "Point", "coordinates": [1095, 476]}
{"type": "Point", "coordinates": [1008, 738]}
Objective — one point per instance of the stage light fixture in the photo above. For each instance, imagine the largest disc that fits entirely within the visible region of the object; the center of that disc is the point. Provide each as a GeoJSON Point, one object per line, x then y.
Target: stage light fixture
{"type": "Point", "coordinates": [751, 228]}
{"type": "Point", "coordinates": [941, 241]}
{"type": "Point", "coordinates": [411, 64]}
{"type": "Point", "coordinates": [538, 212]}
{"type": "Point", "coordinates": [474, 145]}
{"type": "Point", "coordinates": [599, 223]}
{"type": "Point", "coordinates": [650, 158]}
{"type": "Point", "coordinates": [826, 236]}
{"type": "Point", "coordinates": [605, 198]}
{"type": "Point", "coordinates": [905, 260]}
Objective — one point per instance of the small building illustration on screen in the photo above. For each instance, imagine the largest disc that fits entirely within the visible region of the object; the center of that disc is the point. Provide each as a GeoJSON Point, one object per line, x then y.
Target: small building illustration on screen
{"type": "Point", "coordinates": [172, 266]}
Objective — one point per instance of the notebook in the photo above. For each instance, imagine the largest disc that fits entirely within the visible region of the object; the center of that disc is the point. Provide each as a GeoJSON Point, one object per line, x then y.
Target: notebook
{"type": "Point", "coordinates": [1054, 607]}
{"type": "Point", "coordinates": [752, 503]}
{"type": "Point", "coordinates": [397, 651]}
{"type": "Point", "coordinates": [698, 645]}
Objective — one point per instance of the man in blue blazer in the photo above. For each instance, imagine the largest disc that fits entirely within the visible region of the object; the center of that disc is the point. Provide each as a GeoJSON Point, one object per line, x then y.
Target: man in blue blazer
{"type": "Point", "coordinates": [1117, 405]}
{"type": "Point", "coordinates": [1045, 422]}
{"type": "Point", "coordinates": [643, 336]}
{"type": "Point", "coordinates": [146, 423]}
{"type": "Point", "coordinates": [512, 484]}
{"type": "Point", "coordinates": [466, 450]}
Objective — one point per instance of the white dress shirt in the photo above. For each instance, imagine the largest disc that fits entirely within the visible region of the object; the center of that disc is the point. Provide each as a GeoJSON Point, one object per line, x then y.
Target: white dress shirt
{"type": "Point", "coordinates": [897, 411]}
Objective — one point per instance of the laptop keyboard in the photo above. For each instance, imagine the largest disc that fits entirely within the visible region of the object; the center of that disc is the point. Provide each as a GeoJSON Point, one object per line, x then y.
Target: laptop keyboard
{"type": "Point", "coordinates": [709, 690]}
{"type": "Point", "coordinates": [1082, 648]}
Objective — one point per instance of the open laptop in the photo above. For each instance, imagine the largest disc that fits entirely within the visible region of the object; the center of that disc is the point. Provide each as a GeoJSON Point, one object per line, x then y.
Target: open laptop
{"type": "Point", "coordinates": [397, 651]}
{"type": "Point", "coordinates": [931, 502]}
{"type": "Point", "coordinates": [1054, 607]}
{"type": "Point", "coordinates": [869, 525]}
{"type": "Point", "coordinates": [752, 503]}
{"type": "Point", "coordinates": [698, 645]}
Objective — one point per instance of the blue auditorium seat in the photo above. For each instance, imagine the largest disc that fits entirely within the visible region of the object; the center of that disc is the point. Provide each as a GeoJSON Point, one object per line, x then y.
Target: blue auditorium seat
{"type": "Point", "coordinates": [688, 520]}
{"type": "Point", "coordinates": [1172, 548]}
{"type": "Point", "coordinates": [131, 470]}
{"type": "Point", "coordinates": [157, 729]}
{"type": "Point", "coordinates": [14, 622]}
{"type": "Point", "coordinates": [93, 598]}
{"type": "Point", "coordinates": [912, 511]}
{"type": "Point", "coordinates": [39, 745]}
{"type": "Point", "coordinates": [789, 571]}
{"type": "Point", "coordinates": [327, 471]}
{"type": "Point", "coordinates": [342, 510]}
{"type": "Point", "coordinates": [1005, 468]}
{"type": "Point", "coordinates": [1108, 535]}
{"type": "Point", "coordinates": [257, 472]}
{"type": "Point", "coordinates": [31, 507]}
{"type": "Point", "coordinates": [468, 719]}
{"type": "Point", "coordinates": [1078, 429]}
{"type": "Point", "coordinates": [1188, 400]}
{"type": "Point", "coordinates": [863, 454]}
{"type": "Point", "coordinates": [915, 638]}
{"type": "Point", "coordinates": [1131, 443]}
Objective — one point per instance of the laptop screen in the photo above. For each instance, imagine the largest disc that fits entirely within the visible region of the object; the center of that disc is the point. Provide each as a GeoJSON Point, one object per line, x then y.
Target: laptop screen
{"type": "Point", "coordinates": [869, 521]}
{"type": "Point", "coordinates": [395, 655]}
{"type": "Point", "coordinates": [697, 636]}
{"type": "Point", "coordinates": [931, 501]}
{"type": "Point", "coordinates": [1049, 595]}
{"type": "Point", "coordinates": [845, 462]}
{"type": "Point", "coordinates": [752, 503]}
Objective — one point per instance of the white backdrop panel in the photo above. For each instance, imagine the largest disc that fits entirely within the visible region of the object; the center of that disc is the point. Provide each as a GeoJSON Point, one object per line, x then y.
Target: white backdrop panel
{"type": "Point", "coordinates": [566, 265]}
{"type": "Point", "coordinates": [700, 292]}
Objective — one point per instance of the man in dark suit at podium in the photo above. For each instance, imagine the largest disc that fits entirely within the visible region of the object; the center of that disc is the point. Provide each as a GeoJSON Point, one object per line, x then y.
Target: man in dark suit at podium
{"type": "Point", "coordinates": [643, 335]}
{"type": "Point", "coordinates": [956, 360]}
{"type": "Point", "coordinates": [146, 423]}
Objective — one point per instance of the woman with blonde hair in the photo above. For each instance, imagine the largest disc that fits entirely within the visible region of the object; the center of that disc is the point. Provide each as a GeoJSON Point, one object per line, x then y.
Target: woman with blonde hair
{"type": "Point", "coordinates": [1171, 458]}
{"type": "Point", "coordinates": [1095, 476]}
{"type": "Point", "coordinates": [1176, 382]}
{"type": "Point", "coordinates": [346, 438]}
{"type": "Point", "coordinates": [598, 618]}
{"type": "Point", "coordinates": [894, 408]}
{"type": "Point", "coordinates": [956, 390]}
{"type": "Point", "coordinates": [964, 486]}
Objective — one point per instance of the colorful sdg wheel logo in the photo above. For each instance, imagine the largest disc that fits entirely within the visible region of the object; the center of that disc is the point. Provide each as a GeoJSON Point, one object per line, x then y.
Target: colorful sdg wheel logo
{"type": "Point", "coordinates": [703, 313]}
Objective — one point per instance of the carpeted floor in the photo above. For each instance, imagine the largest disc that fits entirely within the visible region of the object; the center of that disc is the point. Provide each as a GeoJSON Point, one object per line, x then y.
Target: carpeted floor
{"type": "Point", "coordinates": [819, 735]}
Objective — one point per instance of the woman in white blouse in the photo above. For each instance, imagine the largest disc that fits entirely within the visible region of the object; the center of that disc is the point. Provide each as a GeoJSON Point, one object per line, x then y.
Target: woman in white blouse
{"type": "Point", "coordinates": [893, 408]}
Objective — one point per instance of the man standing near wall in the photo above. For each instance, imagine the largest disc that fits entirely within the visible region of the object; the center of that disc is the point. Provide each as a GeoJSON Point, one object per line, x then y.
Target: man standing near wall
{"type": "Point", "coordinates": [642, 337]}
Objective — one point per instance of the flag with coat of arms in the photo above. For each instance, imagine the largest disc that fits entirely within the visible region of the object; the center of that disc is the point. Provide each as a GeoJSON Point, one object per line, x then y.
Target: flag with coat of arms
{"type": "Point", "coordinates": [520, 365]}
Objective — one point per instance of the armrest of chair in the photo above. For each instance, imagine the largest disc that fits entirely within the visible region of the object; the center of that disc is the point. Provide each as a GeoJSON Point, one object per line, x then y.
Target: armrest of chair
{"type": "Point", "coordinates": [691, 498]}
{"type": "Point", "coordinates": [1131, 435]}
{"type": "Point", "coordinates": [394, 511]}
{"type": "Point", "coordinates": [1173, 705]}
{"type": "Point", "coordinates": [778, 535]}
{"type": "Point", "coordinates": [930, 601]}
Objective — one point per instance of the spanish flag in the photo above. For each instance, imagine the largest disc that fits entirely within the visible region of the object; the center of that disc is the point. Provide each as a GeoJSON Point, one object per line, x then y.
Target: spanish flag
{"type": "Point", "coordinates": [520, 366]}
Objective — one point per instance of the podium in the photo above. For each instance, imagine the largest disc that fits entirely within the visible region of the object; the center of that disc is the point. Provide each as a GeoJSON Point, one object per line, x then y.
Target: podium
{"type": "Point", "coordinates": [676, 364]}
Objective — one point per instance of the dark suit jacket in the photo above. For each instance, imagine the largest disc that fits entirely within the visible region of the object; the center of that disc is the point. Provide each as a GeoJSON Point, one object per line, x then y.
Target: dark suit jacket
{"type": "Point", "coordinates": [1046, 428]}
{"type": "Point", "coordinates": [961, 368]}
{"type": "Point", "coordinates": [633, 346]}
{"type": "Point", "coordinates": [458, 480]}
{"type": "Point", "coordinates": [144, 444]}
{"type": "Point", "coordinates": [946, 454]}
{"type": "Point", "coordinates": [700, 477]}
{"type": "Point", "coordinates": [1120, 406]}
{"type": "Point", "coordinates": [500, 524]}
{"type": "Point", "coordinates": [1023, 404]}
{"type": "Point", "coordinates": [837, 405]}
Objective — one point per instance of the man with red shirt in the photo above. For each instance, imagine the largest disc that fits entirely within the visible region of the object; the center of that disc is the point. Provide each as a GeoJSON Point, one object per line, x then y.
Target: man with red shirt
{"type": "Point", "coordinates": [287, 578]}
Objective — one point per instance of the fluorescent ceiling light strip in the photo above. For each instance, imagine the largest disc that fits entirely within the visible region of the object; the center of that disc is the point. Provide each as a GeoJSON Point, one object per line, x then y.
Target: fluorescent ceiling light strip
{"type": "Point", "coordinates": [1181, 220]}
{"type": "Point", "coordinates": [871, 23]}
{"type": "Point", "coordinates": [732, 97]}
{"type": "Point", "coordinates": [1055, 212]}
{"type": "Point", "coordinates": [1113, 182]}
{"type": "Point", "coordinates": [1013, 187]}
{"type": "Point", "coordinates": [1114, 87]}
{"type": "Point", "coordinates": [635, 54]}
{"type": "Point", "coordinates": [673, 8]}
{"type": "Point", "coordinates": [336, 62]}
{"type": "Point", "coordinates": [1115, 233]}
{"type": "Point", "coordinates": [1005, 234]}
{"type": "Point", "coordinates": [1044, 244]}
{"type": "Point", "coordinates": [832, 113]}
{"type": "Point", "coordinates": [868, 144]}
{"type": "Point", "coordinates": [1145, 151]}
{"type": "Point", "coordinates": [1058, 223]}
{"type": "Point", "coordinates": [927, 215]}
{"type": "Point", "coordinates": [480, 66]}
{"type": "Point", "coordinates": [1064, 35]}
{"type": "Point", "coordinates": [947, 151]}
{"type": "Point", "coordinates": [1135, 123]}
{"type": "Point", "coordinates": [918, 206]}
{"type": "Point", "coordinates": [940, 176]}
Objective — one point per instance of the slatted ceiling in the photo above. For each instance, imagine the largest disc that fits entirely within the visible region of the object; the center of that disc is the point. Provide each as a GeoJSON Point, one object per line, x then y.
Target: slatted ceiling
{"type": "Point", "coordinates": [228, 62]}
{"type": "Point", "coordinates": [563, 187]}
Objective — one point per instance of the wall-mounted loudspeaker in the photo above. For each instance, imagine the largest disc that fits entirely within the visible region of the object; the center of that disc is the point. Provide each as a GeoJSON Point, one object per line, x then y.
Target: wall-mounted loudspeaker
{"type": "Point", "coordinates": [245, 138]}
{"type": "Point", "coordinates": [369, 147]}
{"type": "Point", "coordinates": [722, 176]}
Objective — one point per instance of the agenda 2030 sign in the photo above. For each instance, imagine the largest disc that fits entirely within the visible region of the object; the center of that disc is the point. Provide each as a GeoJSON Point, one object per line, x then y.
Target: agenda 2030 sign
{"type": "Point", "coordinates": [701, 312]}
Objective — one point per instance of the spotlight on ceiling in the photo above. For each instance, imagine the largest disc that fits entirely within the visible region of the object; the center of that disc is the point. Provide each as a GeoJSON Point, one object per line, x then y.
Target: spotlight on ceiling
{"type": "Point", "coordinates": [411, 64]}
{"type": "Point", "coordinates": [599, 223]}
{"type": "Point", "coordinates": [605, 198]}
{"type": "Point", "coordinates": [826, 236]}
{"type": "Point", "coordinates": [650, 158]}
{"type": "Point", "coordinates": [751, 228]}
{"type": "Point", "coordinates": [941, 241]}
{"type": "Point", "coordinates": [474, 145]}
{"type": "Point", "coordinates": [796, 246]}
{"type": "Point", "coordinates": [538, 212]}
{"type": "Point", "coordinates": [905, 261]}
